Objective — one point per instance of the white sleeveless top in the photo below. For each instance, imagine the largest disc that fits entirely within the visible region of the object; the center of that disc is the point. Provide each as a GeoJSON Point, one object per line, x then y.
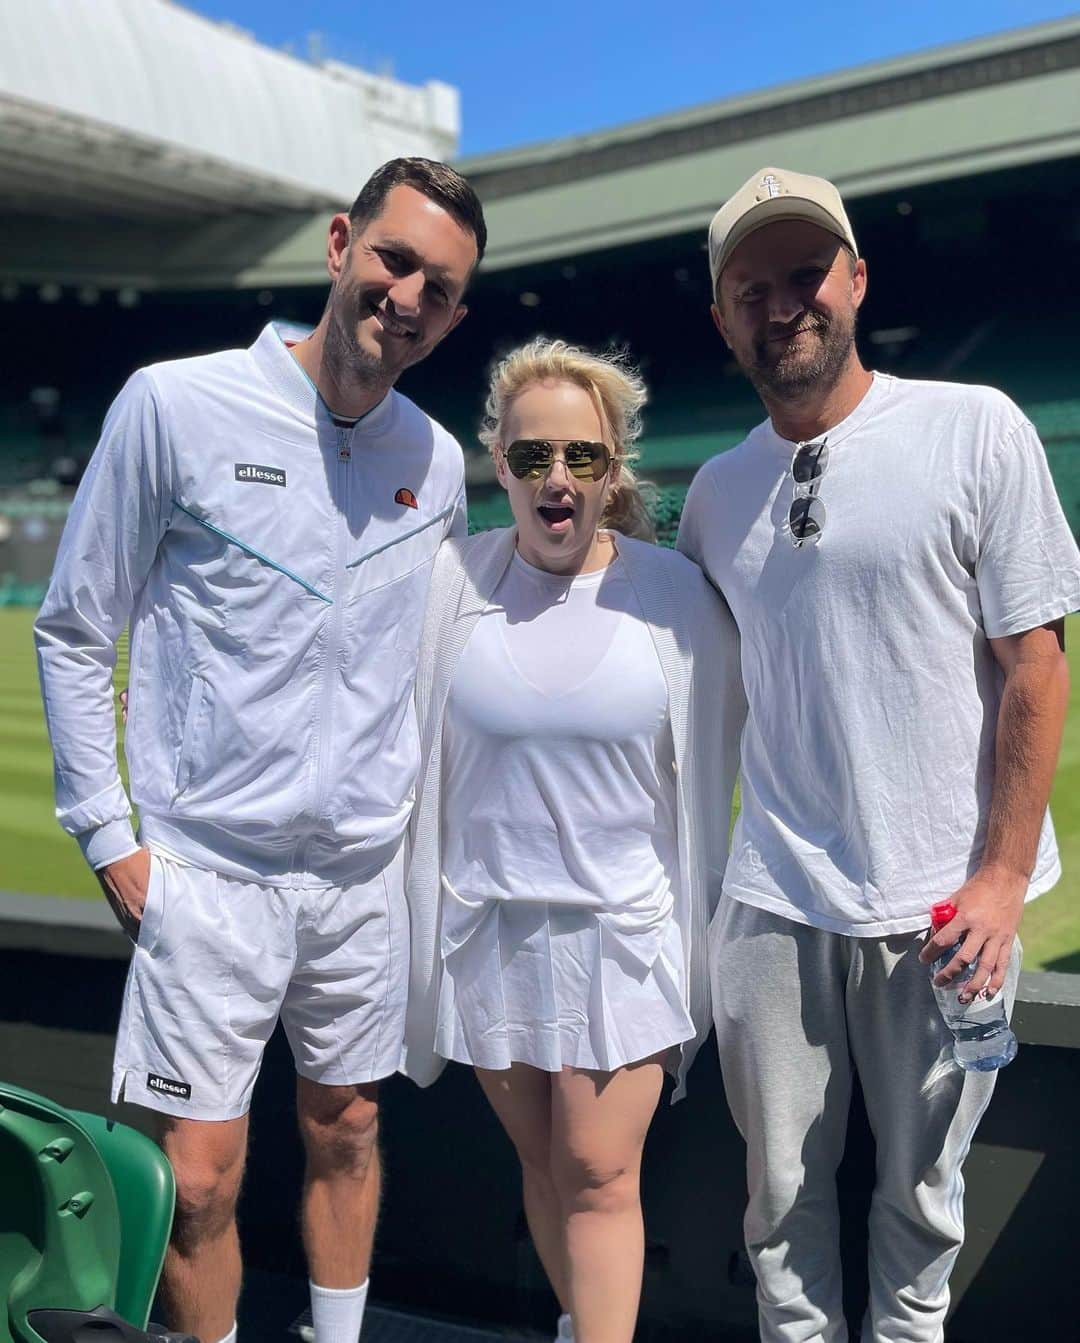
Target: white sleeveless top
{"type": "Point", "coordinates": [558, 774]}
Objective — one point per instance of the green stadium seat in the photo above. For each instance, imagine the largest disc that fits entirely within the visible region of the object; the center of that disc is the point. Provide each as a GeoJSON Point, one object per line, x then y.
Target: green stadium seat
{"type": "Point", "coordinates": [665, 508]}
{"type": "Point", "coordinates": [84, 1223]}
{"type": "Point", "coordinates": [145, 1195]}
{"type": "Point", "coordinates": [487, 510]}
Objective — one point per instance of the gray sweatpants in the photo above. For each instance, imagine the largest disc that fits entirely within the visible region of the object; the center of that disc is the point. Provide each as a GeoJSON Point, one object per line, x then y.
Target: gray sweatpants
{"type": "Point", "coordinates": [796, 1010]}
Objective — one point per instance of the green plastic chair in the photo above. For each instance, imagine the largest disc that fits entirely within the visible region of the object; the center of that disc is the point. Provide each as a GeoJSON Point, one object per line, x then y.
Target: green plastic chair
{"type": "Point", "coordinates": [142, 1180]}
{"type": "Point", "coordinates": [85, 1215]}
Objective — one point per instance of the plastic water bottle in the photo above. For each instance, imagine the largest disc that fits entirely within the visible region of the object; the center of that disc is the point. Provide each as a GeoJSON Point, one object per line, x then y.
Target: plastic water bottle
{"type": "Point", "coordinates": [982, 1040]}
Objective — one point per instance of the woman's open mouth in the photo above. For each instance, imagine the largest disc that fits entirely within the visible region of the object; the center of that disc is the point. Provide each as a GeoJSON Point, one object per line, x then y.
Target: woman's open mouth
{"type": "Point", "coordinates": [556, 517]}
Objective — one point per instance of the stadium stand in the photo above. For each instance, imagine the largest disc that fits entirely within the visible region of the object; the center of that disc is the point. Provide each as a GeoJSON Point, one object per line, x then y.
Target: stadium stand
{"type": "Point", "coordinates": [148, 112]}
{"type": "Point", "coordinates": [106, 131]}
{"type": "Point", "coordinates": [962, 172]}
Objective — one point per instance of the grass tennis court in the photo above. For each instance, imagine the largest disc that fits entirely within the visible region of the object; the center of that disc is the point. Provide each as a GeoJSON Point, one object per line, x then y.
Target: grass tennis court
{"type": "Point", "coordinates": [37, 858]}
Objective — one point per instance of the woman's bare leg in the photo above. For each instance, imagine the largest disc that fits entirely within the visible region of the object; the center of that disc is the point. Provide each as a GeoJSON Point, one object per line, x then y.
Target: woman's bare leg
{"type": "Point", "coordinates": [521, 1098]}
{"type": "Point", "coordinates": [598, 1127]}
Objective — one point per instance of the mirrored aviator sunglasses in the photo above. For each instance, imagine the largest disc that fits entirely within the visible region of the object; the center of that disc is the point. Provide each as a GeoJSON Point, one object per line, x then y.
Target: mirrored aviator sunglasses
{"type": "Point", "coordinates": [530, 458]}
{"type": "Point", "coordinates": [806, 516]}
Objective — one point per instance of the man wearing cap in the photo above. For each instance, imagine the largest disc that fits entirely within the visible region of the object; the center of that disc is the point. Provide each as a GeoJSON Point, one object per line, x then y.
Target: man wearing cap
{"type": "Point", "coordinates": [899, 568]}
{"type": "Point", "coordinates": [267, 520]}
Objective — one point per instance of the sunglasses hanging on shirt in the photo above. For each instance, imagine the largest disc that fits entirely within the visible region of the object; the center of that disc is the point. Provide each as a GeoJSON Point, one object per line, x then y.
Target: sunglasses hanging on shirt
{"type": "Point", "coordinates": [806, 516]}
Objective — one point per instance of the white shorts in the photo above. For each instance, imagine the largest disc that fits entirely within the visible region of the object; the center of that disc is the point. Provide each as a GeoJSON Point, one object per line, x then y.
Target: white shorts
{"type": "Point", "coordinates": [219, 960]}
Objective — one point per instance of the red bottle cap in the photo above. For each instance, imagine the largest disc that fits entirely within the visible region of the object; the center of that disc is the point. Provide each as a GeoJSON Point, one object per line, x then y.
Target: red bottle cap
{"type": "Point", "coordinates": [942, 913]}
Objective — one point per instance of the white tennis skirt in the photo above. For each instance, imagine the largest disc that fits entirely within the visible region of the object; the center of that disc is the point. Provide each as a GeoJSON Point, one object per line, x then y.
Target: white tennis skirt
{"type": "Point", "coordinates": [555, 986]}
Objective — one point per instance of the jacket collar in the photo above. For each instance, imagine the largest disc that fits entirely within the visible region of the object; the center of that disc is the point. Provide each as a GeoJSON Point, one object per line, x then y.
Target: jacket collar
{"type": "Point", "coordinates": [288, 379]}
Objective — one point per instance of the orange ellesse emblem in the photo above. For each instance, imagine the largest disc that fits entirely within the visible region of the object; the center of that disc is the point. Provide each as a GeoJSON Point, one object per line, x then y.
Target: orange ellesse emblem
{"type": "Point", "coordinates": [406, 497]}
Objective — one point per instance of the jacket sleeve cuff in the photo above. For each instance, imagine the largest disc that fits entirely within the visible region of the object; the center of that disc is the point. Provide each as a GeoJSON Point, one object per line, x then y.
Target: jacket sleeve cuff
{"type": "Point", "coordinates": [108, 843]}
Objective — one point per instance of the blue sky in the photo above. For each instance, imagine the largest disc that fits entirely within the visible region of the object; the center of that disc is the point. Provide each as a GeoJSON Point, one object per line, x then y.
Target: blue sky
{"type": "Point", "coordinates": [531, 71]}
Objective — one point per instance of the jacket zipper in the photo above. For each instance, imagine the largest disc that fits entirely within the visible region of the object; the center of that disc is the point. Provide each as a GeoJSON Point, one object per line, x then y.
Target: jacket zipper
{"type": "Point", "coordinates": [332, 651]}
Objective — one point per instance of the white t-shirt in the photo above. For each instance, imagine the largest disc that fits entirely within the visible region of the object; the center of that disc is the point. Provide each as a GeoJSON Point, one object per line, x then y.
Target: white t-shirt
{"type": "Point", "coordinates": [558, 757]}
{"type": "Point", "coordinates": [868, 752]}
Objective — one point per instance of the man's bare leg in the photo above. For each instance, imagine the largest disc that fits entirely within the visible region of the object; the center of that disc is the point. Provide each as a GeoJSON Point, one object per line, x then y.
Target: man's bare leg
{"type": "Point", "coordinates": [200, 1281]}
{"type": "Point", "coordinates": [339, 1126]}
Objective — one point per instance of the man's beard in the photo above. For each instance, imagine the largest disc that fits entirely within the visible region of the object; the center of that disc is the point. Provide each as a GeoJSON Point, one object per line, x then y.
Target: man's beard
{"type": "Point", "coordinates": [794, 373]}
{"type": "Point", "coordinates": [346, 360]}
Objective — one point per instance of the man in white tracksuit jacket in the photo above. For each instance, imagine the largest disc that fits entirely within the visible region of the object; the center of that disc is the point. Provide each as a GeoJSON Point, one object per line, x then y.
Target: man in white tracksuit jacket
{"type": "Point", "coordinates": [266, 521]}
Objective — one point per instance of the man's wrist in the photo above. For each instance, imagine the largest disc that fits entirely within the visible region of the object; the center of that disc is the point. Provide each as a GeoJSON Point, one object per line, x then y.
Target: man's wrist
{"type": "Point", "coordinates": [1005, 873]}
{"type": "Point", "coordinates": [1007, 880]}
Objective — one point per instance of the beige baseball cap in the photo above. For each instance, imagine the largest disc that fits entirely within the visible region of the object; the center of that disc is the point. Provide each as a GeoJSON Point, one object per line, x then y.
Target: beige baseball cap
{"type": "Point", "coordinates": [772, 194]}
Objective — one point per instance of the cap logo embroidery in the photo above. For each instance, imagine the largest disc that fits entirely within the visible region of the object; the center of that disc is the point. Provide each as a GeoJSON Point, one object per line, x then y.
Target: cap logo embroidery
{"type": "Point", "coordinates": [772, 185]}
{"type": "Point", "coordinates": [406, 497]}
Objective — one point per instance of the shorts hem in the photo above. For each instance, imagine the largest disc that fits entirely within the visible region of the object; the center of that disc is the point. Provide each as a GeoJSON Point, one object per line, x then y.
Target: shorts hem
{"type": "Point", "coordinates": [328, 1077]}
{"type": "Point", "coordinates": [127, 1089]}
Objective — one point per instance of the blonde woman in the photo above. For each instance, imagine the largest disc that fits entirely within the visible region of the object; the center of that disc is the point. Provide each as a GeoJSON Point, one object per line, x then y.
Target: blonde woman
{"type": "Point", "coordinates": [579, 704]}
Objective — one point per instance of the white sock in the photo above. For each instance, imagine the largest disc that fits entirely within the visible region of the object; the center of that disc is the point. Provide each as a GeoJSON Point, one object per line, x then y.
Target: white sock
{"type": "Point", "coordinates": [337, 1314]}
{"type": "Point", "coordinates": [565, 1330]}
{"type": "Point", "coordinates": [230, 1337]}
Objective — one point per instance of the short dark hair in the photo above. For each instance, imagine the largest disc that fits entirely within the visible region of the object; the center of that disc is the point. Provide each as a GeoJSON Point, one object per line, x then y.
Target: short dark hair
{"type": "Point", "coordinates": [437, 181]}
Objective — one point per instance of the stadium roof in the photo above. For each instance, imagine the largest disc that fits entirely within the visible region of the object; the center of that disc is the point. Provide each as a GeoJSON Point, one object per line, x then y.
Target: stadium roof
{"type": "Point", "coordinates": [955, 111]}
{"type": "Point", "coordinates": [144, 110]}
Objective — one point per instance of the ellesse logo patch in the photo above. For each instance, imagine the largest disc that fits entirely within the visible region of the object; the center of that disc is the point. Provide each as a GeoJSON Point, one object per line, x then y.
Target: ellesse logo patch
{"type": "Point", "coordinates": [167, 1087]}
{"type": "Point", "coordinates": [406, 497]}
{"type": "Point", "coordinates": [249, 472]}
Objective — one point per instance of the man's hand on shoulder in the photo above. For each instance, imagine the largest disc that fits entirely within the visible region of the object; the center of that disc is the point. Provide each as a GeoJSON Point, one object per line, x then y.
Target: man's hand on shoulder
{"type": "Point", "coordinates": [988, 910]}
{"type": "Point", "coordinates": [125, 884]}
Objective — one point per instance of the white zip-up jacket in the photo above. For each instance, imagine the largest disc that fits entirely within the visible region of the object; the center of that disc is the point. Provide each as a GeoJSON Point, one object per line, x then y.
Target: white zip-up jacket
{"type": "Point", "coordinates": [273, 566]}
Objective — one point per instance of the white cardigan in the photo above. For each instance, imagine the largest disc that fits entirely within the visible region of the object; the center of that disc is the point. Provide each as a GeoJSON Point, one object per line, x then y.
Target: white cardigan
{"type": "Point", "coordinates": [698, 649]}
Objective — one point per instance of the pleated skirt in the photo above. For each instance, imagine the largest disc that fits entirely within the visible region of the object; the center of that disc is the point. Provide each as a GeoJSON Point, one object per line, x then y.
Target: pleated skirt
{"type": "Point", "coordinates": [556, 986]}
